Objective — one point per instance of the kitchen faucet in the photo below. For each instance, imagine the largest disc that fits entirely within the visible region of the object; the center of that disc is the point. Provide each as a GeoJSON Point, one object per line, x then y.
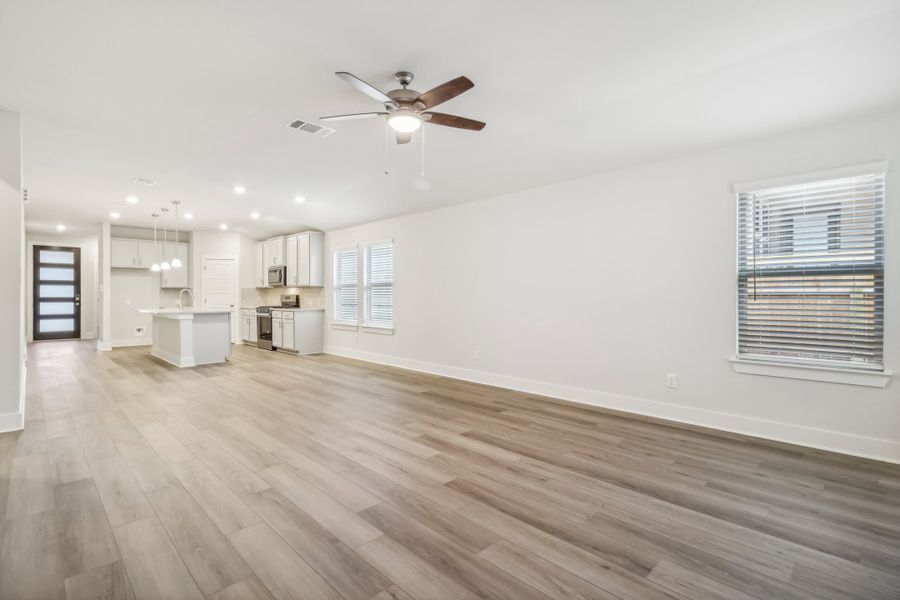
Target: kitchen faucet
{"type": "Point", "coordinates": [181, 298]}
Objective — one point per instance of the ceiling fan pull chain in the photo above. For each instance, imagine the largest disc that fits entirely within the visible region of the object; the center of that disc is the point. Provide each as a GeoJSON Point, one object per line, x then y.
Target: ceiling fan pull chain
{"type": "Point", "coordinates": [387, 146]}
{"type": "Point", "coordinates": [423, 152]}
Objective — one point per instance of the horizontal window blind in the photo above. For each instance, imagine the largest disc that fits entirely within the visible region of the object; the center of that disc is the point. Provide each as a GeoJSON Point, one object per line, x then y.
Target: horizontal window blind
{"type": "Point", "coordinates": [379, 284]}
{"type": "Point", "coordinates": [346, 289]}
{"type": "Point", "coordinates": [811, 272]}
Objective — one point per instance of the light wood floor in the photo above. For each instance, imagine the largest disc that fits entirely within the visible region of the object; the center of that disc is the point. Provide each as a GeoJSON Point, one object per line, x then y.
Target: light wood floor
{"type": "Point", "coordinates": [285, 477]}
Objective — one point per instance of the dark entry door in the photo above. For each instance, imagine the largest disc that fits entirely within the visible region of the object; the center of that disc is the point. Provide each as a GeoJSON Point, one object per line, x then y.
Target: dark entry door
{"type": "Point", "coordinates": [57, 293]}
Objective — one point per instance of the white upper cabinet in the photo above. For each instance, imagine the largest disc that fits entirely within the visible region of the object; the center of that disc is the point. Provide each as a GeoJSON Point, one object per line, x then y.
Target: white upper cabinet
{"type": "Point", "coordinates": [290, 260]}
{"type": "Point", "coordinates": [302, 255]}
{"type": "Point", "coordinates": [142, 254]}
{"type": "Point", "coordinates": [123, 254]}
{"type": "Point", "coordinates": [273, 252]}
{"type": "Point", "coordinates": [133, 254]}
{"type": "Point", "coordinates": [305, 259]}
{"type": "Point", "coordinates": [176, 277]}
{"type": "Point", "coordinates": [148, 253]}
{"type": "Point", "coordinates": [261, 277]}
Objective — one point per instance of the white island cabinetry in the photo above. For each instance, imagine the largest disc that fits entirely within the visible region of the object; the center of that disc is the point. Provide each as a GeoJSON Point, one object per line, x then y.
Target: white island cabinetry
{"type": "Point", "coordinates": [191, 337]}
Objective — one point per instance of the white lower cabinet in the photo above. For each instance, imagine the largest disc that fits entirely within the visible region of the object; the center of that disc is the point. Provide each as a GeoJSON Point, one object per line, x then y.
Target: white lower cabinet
{"type": "Point", "coordinates": [277, 329]}
{"type": "Point", "coordinates": [300, 331]}
{"type": "Point", "coordinates": [248, 325]}
{"type": "Point", "coordinates": [287, 331]}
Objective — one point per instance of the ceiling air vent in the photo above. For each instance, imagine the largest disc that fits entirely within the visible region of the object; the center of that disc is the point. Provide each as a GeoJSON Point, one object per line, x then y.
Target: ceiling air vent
{"type": "Point", "coordinates": [311, 128]}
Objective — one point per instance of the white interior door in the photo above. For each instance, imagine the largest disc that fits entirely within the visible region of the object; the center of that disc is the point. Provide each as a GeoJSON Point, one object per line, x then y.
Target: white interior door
{"type": "Point", "coordinates": [218, 285]}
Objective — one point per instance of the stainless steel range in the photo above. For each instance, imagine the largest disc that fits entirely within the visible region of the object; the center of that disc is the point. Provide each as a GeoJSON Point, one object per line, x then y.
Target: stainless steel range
{"type": "Point", "coordinates": [264, 320]}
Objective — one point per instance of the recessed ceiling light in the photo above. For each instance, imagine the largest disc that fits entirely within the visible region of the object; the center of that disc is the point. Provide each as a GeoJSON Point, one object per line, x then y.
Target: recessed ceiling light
{"type": "Point", "coordinates": [114, 215]}
{"type": "Point", "coordinates": [223, 226]}
{"type": "Point", "coordinates": [299, 199]}
{"type": "Point", "coordinates": [60, 227]}
{"type": "Point", "coordinates": [132, 200]}
{"type": "Point", "coordinates": [188, 215]}
{"type": "Point", "coordinates": [254, 215]}
{"type": "Point", "coordinates": [239, 189]}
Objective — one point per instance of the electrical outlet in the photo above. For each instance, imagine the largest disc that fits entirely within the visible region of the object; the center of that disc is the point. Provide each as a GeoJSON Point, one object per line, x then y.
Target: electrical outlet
{"type": "Point", "coordinates": [671, 380]}
{"type": "Point", "coordinates": [139, 331]}
{"type": "Point", "coordinates": [476, 355]}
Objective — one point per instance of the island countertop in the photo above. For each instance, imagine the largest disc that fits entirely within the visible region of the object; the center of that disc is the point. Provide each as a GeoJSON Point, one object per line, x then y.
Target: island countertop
{"type": "Point", "coordinates": [184, 313]}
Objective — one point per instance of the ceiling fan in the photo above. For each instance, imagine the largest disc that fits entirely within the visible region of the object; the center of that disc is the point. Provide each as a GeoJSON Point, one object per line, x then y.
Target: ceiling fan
{"type": "Point", "coordinates": [407, 109]}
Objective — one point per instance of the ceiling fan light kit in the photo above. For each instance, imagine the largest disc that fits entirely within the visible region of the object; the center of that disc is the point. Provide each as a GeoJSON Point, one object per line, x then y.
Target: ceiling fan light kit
{"type": "Point", "coordinates": [405, 121]}
{"type": "Point", "coordinates": [406, 110]}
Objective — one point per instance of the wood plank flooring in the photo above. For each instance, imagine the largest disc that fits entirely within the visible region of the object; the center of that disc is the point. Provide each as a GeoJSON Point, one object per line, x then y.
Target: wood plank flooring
{"type": "Point", "coordinates": [278, 477]}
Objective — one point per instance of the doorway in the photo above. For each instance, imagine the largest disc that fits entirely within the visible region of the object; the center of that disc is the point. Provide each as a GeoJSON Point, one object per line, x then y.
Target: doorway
{"type": "Point", "coordinates": [218, 286]}
{"type": "Point", "coordinates": [57, 293]}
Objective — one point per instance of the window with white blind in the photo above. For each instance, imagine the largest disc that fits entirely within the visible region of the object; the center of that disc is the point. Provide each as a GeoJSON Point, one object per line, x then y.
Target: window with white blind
{"type": "Point", "coordinates": [378, 281]}
{"type": "Point", "coordinates": [346, 286]}
{"type": "Point", "coordinates": [811, 272]}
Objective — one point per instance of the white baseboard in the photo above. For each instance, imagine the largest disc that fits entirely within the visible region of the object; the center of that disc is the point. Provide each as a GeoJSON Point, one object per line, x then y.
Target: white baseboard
{"type": "Point", "coordinates": [174, 359]}
{"type": "Point", "coordinates": [12, 422]}
{"type": "Point", "coordinates": [139, 341]}
{"type": "Point", "coordinates": [822, 439]}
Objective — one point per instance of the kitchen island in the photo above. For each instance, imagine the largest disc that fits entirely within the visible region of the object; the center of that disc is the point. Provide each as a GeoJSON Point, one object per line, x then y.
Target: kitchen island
{"type": "Point", "coordinates": [191, 336]}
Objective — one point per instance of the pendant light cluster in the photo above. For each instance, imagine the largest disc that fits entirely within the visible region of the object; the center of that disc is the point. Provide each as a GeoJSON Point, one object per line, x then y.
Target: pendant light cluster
{"type": "Point", "coordinates": [166, 264]}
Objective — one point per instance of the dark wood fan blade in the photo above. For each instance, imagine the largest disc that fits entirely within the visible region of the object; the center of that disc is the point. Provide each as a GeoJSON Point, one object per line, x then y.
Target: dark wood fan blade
{"type": "Point", "coordinates": [353, 116]}
{"type": "Point", "coordinates": [364, 87]}
{"type": "Point", "coordinates": [445, 91]}
{"type": "Point", "coordinates": [403, 137]}
{"type": "Point", "coordinates": [454, 121]}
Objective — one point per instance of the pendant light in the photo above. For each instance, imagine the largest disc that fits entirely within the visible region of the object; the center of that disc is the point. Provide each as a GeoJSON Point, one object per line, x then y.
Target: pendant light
{"type": "Point", "coordinates": [164, 265]}
{"type": "Point", "coordinates": [155, 268]}
{"type": "Point", "coordinates": [176, 262]}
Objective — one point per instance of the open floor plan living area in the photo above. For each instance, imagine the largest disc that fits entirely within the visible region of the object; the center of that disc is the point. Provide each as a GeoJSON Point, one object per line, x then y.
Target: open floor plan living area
{"type": "Point", "coordinates": [484, 300]}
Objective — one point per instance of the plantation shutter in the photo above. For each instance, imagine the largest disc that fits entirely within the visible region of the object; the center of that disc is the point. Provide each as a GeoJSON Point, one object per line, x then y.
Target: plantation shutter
{"type": "Point", "coordinates": [379, 282]}
{"type": "Point", "coordinates": [346, 290]}
{"type": "Point", "coordinates": [811, 272]}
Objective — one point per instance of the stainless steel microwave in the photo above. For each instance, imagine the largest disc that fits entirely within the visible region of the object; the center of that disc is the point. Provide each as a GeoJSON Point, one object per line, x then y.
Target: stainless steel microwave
{"type": "Point", "coordinates": [277, 276]}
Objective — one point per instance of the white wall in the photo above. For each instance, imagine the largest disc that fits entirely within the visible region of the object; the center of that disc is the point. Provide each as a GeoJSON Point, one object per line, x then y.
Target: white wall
{"type": "Point", "coordinates": [217, 244]}
{"type": "Point", "coordinates": [130, 291]}
{"type": "Point", "coordinates": [90, 301]}
{"type": "Point", "coordinates": [247, 267]}
{"type": "Point", "coordinates": [104, 285]}
{"type": "Point", "coordinates": [12, 274]}
{"type": "Point", "coordinates": [592, 290]}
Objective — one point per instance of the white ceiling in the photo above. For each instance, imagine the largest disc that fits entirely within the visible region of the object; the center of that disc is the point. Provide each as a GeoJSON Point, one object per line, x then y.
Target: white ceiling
{"type": "Point", "coordinates": [196, 95]}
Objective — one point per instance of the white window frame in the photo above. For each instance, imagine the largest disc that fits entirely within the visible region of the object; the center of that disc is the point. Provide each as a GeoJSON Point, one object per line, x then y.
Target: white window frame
{"type": "Point", "coordinates": [337, 287]}
{"type": "Point", "coordinates": [800, 369]}
{"type": "Point", "coordinates": [367, 286]}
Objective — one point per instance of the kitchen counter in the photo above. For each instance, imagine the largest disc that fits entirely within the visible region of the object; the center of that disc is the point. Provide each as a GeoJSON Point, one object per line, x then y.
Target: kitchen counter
{"type": "Point", "coordinates": [184, 312]}
{"type": "Point", "coordinates": [187, 337]}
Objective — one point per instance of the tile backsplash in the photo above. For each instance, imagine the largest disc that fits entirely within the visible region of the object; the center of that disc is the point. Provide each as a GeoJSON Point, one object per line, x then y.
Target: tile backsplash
{"type": "Point", "coordinates": [309, 297]}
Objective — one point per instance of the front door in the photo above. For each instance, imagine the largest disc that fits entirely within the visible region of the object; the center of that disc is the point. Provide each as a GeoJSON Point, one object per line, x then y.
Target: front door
{"type": "Point", "coordinates": [57, 293]}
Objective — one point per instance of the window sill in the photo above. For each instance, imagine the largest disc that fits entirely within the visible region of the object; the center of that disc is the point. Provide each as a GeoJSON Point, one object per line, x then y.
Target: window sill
{"type": "Point", "coordinates": [344, 325]}
{"type": "Point", "coordinates": [378, 329]}
{"type": "Point", "coordinates": [862, 377]}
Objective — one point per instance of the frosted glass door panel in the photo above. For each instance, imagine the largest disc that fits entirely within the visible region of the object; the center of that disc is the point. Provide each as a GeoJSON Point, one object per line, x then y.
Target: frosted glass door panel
{"type": "Point", "coordinates": [56, 289]}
